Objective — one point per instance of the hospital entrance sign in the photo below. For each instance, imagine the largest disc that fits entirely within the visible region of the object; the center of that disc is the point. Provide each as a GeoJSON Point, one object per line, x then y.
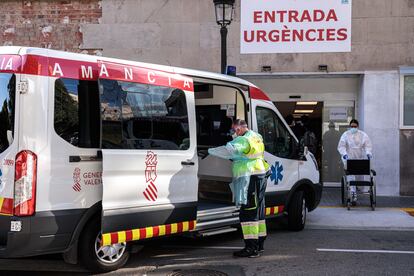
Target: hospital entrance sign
{"type": "Point", "coordinates": [295, 26]}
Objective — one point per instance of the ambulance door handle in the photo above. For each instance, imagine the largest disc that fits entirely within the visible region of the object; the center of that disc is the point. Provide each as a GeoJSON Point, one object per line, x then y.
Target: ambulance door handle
{"type": "Point", "coordinates": [85, 158]}
{"type": "Point", "coordinates": [74, 159]}
{"type": "Point", "coordinates": [187, 163]}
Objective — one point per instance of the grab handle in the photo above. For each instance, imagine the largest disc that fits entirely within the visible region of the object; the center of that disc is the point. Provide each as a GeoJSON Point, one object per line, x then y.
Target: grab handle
{"type": "Point", "coordinates": [85, 158]}
{"type": "Point", "coordinates": [187, 163]}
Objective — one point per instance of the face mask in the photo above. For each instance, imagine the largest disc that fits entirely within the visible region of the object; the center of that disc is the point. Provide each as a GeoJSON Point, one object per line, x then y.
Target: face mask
{"type": "Point", "coordinates": [233, 133]}
{"type": "Point", "coordinates": [354, 130]}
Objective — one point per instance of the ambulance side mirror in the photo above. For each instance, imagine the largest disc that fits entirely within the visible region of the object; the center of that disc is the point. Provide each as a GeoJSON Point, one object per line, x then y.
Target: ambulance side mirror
{"type": "Point", "coordinates": [10, 137]}
{"type": "Point", "coordinates": [305, 151]}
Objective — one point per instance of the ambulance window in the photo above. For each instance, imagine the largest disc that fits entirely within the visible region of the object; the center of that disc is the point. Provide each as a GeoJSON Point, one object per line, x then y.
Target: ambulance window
{"type": "Point", "coordinates": [276, 137]}
{"type": "Point", "coordinates": [7, 100]}
{"type": "Point", "coordinates": [141, 116]}
{"type": "Point", "coordinates": [77, 118]}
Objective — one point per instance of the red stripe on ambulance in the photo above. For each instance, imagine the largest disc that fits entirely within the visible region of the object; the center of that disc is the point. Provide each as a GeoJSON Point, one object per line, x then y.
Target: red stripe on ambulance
{"type": "Point", "coordinates": [192, 224]}
{"type": "Point", "coordinates": [114, 237]}
{"type": "Point", "coordinates": [10, 63]}
{"type": "Point", "coordinates": [83, 70]}
{"type": "Point", "coordinates": [258, 94]}
{"type": "Point", "coordinates": [275, 210]}
{"type": "Point", "coordinates": [129, 235]}
{"type": "Point", "coordinates": [168, 229]}
{"type": "Point", "coordinates": [180, 227]}
{"type": "Point", "coordinates": [143, 233]}
{"type": "Point", "coordinates": [156, 231]}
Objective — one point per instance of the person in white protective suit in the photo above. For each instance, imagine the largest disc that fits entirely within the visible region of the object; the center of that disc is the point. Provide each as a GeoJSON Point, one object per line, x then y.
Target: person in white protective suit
{"type": "Point", "coordinates": [354, 144]}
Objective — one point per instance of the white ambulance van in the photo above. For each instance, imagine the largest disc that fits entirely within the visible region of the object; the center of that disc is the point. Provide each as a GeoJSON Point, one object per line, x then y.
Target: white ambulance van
{"type": "Point", "coordinates": [96, 153]}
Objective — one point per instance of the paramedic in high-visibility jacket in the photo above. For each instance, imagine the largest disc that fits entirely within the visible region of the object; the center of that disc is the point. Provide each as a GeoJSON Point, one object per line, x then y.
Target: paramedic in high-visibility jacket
{"type": "Point", "coordinates": [246, 150]}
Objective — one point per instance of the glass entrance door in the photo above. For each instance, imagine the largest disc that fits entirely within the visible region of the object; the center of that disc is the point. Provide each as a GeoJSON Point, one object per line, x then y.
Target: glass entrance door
{"type": "Point", "coordinates": [336, 116]}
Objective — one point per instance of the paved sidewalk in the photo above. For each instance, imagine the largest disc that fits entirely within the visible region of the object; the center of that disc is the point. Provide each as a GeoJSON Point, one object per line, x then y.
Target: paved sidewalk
{"type": "Point", "coordinates": [360, 218]}
{"type": "Point", "coordinates": [392, 213]}
{"type": "Point", "coordinates": [331, 196]}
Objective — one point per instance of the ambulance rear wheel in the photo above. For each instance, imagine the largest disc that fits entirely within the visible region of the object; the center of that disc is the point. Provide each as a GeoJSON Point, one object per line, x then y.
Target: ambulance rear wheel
{"type": "Point", "coordinates": [98, 258]}
{"type": "Point", "coordinates": [297, 212]}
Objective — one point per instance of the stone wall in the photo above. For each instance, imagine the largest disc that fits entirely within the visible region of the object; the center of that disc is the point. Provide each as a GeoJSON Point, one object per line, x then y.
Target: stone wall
{"type": "Point", "coordinates": [184, 33]}
{"type": "Point", "coordinates": [47, 24]}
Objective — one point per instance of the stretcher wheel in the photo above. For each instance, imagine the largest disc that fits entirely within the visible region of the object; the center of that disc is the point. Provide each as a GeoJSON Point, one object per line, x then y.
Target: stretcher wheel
{"type": "Point", "coordinates": [372, 197]}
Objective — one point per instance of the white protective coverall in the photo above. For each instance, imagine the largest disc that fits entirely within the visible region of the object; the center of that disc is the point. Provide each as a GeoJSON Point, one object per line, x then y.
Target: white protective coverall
{"type": "Point", "coordinates": [356, 146]}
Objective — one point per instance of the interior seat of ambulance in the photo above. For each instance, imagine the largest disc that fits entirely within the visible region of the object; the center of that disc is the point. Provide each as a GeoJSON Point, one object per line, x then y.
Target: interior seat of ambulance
{"type": "Point", "coordinates": [216, 108]}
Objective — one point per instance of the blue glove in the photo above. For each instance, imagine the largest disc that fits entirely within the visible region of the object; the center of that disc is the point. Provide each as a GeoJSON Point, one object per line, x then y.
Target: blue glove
{"type": "Point", "coordinates": [345, 157]}
{"type": "Point", "coordinates": [369, 156]}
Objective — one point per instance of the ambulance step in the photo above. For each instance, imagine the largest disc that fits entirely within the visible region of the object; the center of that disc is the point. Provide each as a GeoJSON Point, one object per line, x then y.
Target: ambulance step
{"type": "Point", "coordinates": [215, 210]}
{"type": "Point", "coordinates": [216, 231]}
{"type": "Point", "coordinates": [217, 223]}
{"type": "Point", "coordinates": [217, 214]}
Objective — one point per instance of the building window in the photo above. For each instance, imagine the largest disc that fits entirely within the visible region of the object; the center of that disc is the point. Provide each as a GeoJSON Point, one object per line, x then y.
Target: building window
{"type": "Point", "coordinates": [408, 101]}
{"type": "Point", "coordinates": [77, 118]}
{"type": "Point", "coordinates": [142, 116]}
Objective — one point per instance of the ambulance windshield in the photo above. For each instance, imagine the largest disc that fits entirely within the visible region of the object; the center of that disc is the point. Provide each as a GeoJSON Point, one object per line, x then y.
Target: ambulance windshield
{"type": "Point", "coordinates": [7, 100]}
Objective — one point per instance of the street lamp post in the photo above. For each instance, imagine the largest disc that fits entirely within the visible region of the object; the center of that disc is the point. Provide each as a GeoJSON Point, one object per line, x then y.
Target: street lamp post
{"type": "Point", "coordinates": [224, 16]}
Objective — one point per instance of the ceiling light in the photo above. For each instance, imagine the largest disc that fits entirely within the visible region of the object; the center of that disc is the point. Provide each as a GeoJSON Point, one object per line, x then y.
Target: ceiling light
{"type": "Point", "coordinates": [303, 111]}
{"type": "Point", "coordinates": [306, 103]}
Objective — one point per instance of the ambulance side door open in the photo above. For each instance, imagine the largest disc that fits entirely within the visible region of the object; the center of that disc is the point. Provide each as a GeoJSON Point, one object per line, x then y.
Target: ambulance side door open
{"type": "Point", "coordinates": [281, 148]}
{"type": "Point", "coordinates": [149, 159]}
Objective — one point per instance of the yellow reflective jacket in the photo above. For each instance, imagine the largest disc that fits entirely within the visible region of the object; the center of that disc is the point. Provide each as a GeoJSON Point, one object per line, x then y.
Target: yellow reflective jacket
{"type": "Point", "coordinates": [248, 152]}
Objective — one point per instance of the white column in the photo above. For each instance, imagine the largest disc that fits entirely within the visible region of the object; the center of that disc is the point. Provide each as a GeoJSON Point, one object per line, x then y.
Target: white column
{"type": "Point", "coordinates": [379, 115]}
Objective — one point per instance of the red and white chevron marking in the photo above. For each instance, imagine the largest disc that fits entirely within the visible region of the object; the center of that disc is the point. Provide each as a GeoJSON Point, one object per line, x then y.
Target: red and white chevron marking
{"type": "Point", "coordinates": [77, 187]}
{"type": "Point", "coordinates": [151, 192]}
{"type": "Point", "coordinates": [76, 180]}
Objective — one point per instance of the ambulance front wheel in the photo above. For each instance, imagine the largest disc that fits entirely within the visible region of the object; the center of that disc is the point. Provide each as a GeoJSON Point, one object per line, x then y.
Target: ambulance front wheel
{"type": "Point", "coordinates": [98, 258]}
{"type": "Point", "coordinates": [297, 212]}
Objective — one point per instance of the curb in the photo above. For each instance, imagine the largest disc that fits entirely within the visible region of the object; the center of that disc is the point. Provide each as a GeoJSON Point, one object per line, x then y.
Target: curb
{"type": "Point", "coordinates": [362, 218]}
{"type": "Point", "coordinates": [410, 211]}
{"type": "Point", "coordinates": [327, 227]}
